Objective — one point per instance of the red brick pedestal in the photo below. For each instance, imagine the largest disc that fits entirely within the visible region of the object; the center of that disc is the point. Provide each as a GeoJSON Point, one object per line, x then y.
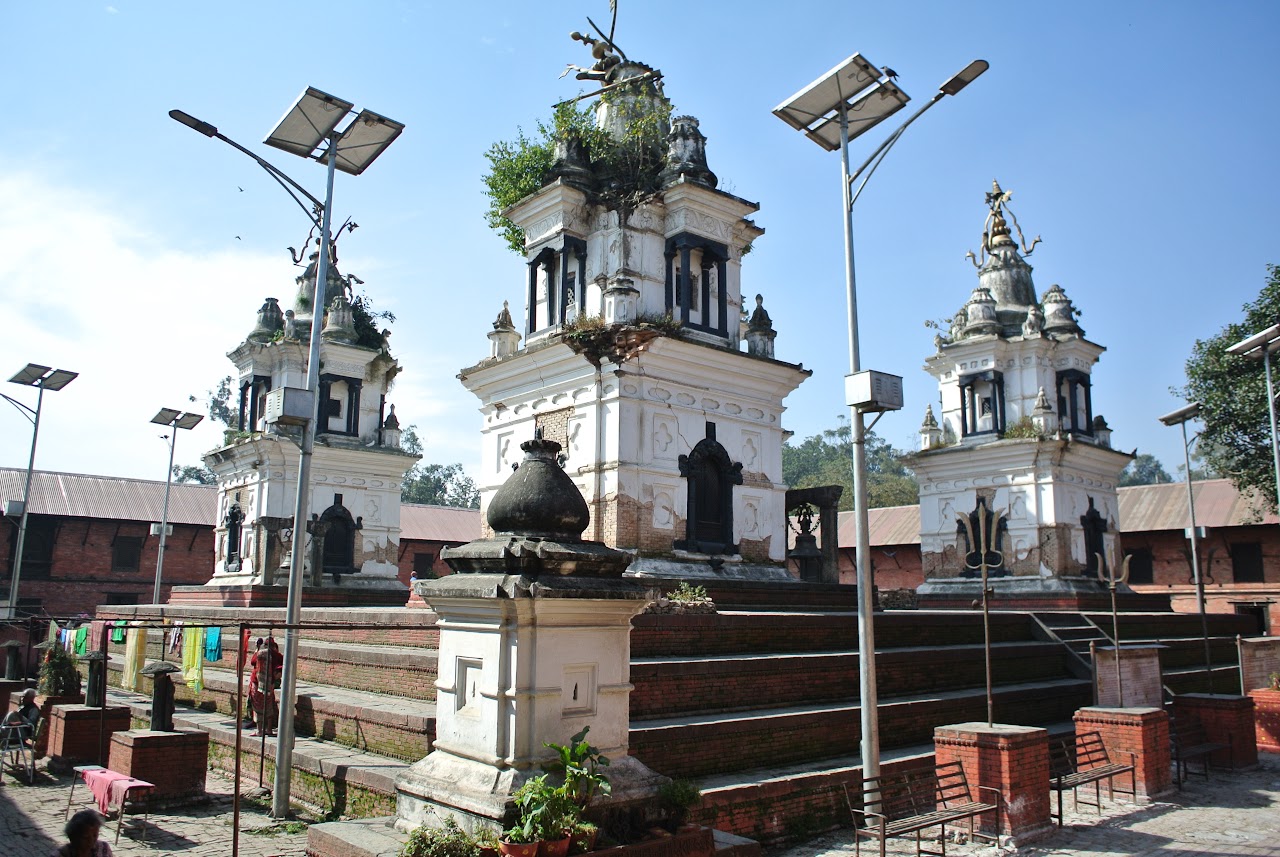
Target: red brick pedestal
{"type": "Point", "coordinates": [1013, 760]}
{"type": "Point", "coordinates": [74, 732]}
{"type": "Point", "coordinates": [10, 689]}
{"type": "Point", "coordinates": [1223, 715]}
{"type": "Point", "coordinates": [175, 762]}
{"type": "Point", "coordinates": [1266, 719]}
{"type": "Point", "coordinates": [1141, 731]}
{"type": "Point", "coordinates": [46, 704]}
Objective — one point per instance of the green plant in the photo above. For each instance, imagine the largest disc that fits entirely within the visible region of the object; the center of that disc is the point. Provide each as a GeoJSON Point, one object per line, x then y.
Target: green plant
{"type": "Point", "coordinates": [449, 840]}
{"type": "Point", "coordinates": [681, 794]}
{"type": "Point", "coordinates": [546, 811]}
{"type": "Point", "coordinates": [1023, 428]}
{"type": "Point", "coordinates": [1275, 680]}
{"type": "Point", "coordinates": [58, 674]}
{"type": "Point", "coordinates": [579, 764]}
{"type": "Point", "coordinates": [583, 836]}
{"type": "Point", "coordinates": [687, 593]}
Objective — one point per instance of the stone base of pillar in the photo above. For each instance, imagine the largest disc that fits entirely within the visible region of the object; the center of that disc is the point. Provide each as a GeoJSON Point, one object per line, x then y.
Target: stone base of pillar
{"type": "Point", "coordinates": [1014, 760]}
{"type": "Point", "coordinates": [1266, 719]}
{"type": "Point", "coordinates": [1227, 719]}
{"type": "Point", "coordinates": [81, 735]}
{"type": "Point", "coordinates": [176, 762]}
{"type": "Point", "coordinates": [1144, 732]}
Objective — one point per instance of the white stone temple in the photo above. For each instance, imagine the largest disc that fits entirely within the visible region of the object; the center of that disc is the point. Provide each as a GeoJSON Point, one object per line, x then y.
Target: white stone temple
{"type": "Point", "coordinates": [357, 465]}
{"type": "Point", "coordinates": [1016, 436]}
{"type": "Point", "coordinates": [630, 354]}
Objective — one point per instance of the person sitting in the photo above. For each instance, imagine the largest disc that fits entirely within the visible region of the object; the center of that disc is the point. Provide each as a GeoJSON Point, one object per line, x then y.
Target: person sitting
{"type": "Point", "coordinates": [24, 718]}
{"type": "Point", "coordinates": [82, 835]}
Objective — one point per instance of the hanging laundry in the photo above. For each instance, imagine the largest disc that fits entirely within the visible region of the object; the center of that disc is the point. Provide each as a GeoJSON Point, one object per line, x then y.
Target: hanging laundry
{"type": "Point", "coordinates": [54, 632]}
{"type": "Point", "coordinates": [135, 652]}
{"type": "Point", "coordinates": [175, 640]}
{"type": "Point", "coordinates": [97, 634]}
{"type": "Point", "coordinates": [213, 644]}
{"type": "Point", "coordinates": [193, 659]}
{"type": "Point", "coordinates": [117, 632]}
{"type": "Point", "coordinates": [82, 641]}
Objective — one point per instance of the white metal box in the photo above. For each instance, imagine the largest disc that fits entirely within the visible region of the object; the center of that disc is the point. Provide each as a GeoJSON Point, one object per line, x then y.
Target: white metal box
{"type": "Point", "coordinates": [289, 406]}
{"type": "Point", "coordinates": [873, 391]}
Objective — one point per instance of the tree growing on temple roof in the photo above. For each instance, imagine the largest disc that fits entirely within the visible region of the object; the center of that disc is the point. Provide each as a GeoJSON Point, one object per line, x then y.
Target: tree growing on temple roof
{"type": "Point", "coordinates": [1233, 392]}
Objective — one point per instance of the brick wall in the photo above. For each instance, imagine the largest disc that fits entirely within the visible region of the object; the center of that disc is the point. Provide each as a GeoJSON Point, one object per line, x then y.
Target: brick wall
{"type": "Point", "coordinates": [1266, 716]}
{"type": "Point", "coordinates": [1013, 760]}
{"type": "Point", "coordinates": [1142, 732]}
{"type": "Point", "coordinates": [75, 732]}
{"type": "Point", "coordinates": [1227, 720]}
{"type": "Point", "coordinates": [175, 762]}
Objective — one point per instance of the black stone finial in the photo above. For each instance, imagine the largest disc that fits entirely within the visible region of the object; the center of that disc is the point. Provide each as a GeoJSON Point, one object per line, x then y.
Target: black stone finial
{"type": "Point", "coordinates": [539, 499]}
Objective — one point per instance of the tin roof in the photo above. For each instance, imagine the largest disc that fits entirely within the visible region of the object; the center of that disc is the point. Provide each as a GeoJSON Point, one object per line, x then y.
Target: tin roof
{"type": "Point", "coordinates": [439, 523]}
{"type": "Point", "coordinates": [81, 496]}
{"type": "Point", "coordinates": [889, 525]}
{"type": "Point", "coordinates": [1146, 508]}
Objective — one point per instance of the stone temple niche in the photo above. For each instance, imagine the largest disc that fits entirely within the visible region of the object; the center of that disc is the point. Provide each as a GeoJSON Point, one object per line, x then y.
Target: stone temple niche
{"type": "Point", "coordinates": [357, 465]}
{"type": "Point", "coordinates": [631, 351]}
{"type": "Point", "coordinates": [1016, 436]}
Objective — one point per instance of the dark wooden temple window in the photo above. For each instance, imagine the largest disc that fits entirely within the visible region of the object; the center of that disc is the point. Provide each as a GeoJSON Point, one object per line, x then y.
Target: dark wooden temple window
{"type": "Point", "coordinates": [693, 265]}
{"type": "Point", "coordinates": [1141, 566]}
{"type": "Point", "coordinates": [37, 549]}
{"type": "Point", "coordinates": [347, 403]}
{"type": "Point", "coordinates": [338, 531]}
{"type": "Point", "coordinates": [710, 476]}
{"type": "Point", "coordinates": [1075, 402]}
{"type": "Point", "coordinates": [253, 402]}
{"type": "Point", "coordinates": [424, 564]}
{"type": "Point", "coordinates": [565, 265]}
{"type": "Point", "coordinates": [982, 407]}
{"type": "Point", "coordinates": [1246, 562]}
{"type": "Point", "coordinates": [126, 553]}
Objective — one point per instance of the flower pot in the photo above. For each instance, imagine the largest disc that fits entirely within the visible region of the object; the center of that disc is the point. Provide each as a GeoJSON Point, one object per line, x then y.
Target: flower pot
{"type": "Point", "coordinates": [518, 849]}
{"type": "Point", "coordinates": [554, 847]}
{"type": "Point", "coordinates": [583, 843]}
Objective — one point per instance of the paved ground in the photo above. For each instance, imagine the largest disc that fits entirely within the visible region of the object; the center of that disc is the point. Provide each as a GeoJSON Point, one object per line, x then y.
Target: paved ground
{"type": "Point", "coordinates": [31, 820]}
{"type": "Point", "coordinates": [1231, 815]}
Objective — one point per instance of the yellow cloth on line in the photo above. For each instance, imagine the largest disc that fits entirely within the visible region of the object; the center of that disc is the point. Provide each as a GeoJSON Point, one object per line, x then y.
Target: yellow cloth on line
{"type": "Point", "coordinates": [135, 652]}
{"type": "Point", "coordinates": [193, 658]}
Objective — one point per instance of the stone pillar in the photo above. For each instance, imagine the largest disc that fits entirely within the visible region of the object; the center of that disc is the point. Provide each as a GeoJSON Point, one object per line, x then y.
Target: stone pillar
{"type": "Point", "coordinates": [12, 660]}
{"type": "Point", "coordinates": [1140, 678]}
{"type": "Point", "coordinates": [1227, 719]}
{"type": "Point", "coordinates": [81, 734]}
{"type": "Point", "coordinates": [1141, 731]}
{"type": "Point", "coordinates": [175, 762]}
{"type": "Point", "coordinates": [7, 689]}
{"type": "Point", "coordinates": [1014, 760]}
{"type": "Point", "coordinates": [1266, 718]}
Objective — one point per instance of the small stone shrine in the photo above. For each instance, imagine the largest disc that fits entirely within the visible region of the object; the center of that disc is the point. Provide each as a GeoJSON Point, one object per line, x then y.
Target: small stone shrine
{"type": "Point", "coordinates": [1016, 470]}
{"type": "Point", "coordinates": [357, 466]}
{"type": "Point", "coordinates": [638, 356]}
{"type": "Point", "coordinates": [534, 645]}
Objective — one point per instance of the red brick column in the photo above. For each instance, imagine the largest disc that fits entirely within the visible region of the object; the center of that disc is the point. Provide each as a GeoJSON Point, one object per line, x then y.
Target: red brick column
{"type": "Point", "coordinates": [10, 688]}
{"type": "Point", "coordinates": [175, 762]}
{"type": "Point", "coordinates": [1225, 716]}
{"type": "Point", "coordinates": [1266, 718]}
{"type": "Point", "coordinates": [1143, 732]}
{"type": "Point", "coordinates": [1013, 760]}
{"type": "Point", "coordinates": [74, 733]}
{"type": "Point", "coordinates": [46, 704]}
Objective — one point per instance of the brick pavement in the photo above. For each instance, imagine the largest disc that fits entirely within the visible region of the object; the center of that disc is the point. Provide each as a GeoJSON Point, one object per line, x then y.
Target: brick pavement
{"type": "Point", "coordinates": [1230, 815]}
{"type": "Point", "coordinates": [31, 821]}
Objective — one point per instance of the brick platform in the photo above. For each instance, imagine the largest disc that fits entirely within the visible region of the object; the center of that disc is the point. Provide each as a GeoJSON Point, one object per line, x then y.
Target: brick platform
{"type": "Point", "coordinates": [1266, 718]}
{"type": "Point", "coordinates": [1227, 718]}
{"type": "Point", "coordinates": [46, 704]}
{"type": "Point", "coordinates": [175, 762]}
{"type": "Point", "coordinates": [9, 689]}
{"type": "Point", "coordinates": [75, 731]}
{"type": "Point", "coordinates": [1141, 731]}
{"type": "Point", "coordinates": [1014, 760]}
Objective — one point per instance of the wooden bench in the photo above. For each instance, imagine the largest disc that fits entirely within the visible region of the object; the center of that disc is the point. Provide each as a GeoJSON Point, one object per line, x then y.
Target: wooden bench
{"type": "Point", "coordinates": [1078, 760]}
{"type": "Point", "coordinates": [1188, 742]}
{"type": "Point", "coordinates": [917, 800]}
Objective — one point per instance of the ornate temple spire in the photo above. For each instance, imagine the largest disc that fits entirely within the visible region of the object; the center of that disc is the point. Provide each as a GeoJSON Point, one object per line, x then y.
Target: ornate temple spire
{"type": "Point", "coordinates": [1002, 267]}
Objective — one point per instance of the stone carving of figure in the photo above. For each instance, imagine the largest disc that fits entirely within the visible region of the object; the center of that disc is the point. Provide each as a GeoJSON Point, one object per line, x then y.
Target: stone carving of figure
{"type": "Point", "coordinates": [1034, 321]}
{"type": "Point", "coordinates": [760, 317]}
{"type": "Point", "coordinates": [503, 321]}
{"type": "Point", "coordinates": [290, 325]}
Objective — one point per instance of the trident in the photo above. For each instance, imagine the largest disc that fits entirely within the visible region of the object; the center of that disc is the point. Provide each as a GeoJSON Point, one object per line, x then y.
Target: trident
{"type": "Point", "coordinates": [1113, 581]}
{"type": "Point", "coordinates": [997, 558]}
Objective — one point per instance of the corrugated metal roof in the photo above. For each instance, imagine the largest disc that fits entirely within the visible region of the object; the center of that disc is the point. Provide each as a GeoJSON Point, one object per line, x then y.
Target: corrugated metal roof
{"type": "Point", "coordinates": [889, 525]}
{"type": "Point", "coordinates": [439, 523]}
{"type": "Point", "coordinates": [1146, 508]}
{"type": "Point", "coordinates": [112, 497]}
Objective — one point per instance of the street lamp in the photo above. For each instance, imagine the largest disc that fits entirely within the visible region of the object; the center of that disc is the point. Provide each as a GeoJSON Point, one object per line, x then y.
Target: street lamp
{"type": "Point", "coordinates": [1181, 417]}
{"type": "Point", "coordinates": [310, 130]}
{"type": "Point", "coordinates": [42, 378]}
{"type": "Point", "coordinates": [176, 420]}
{"type": "Point", "coordinates": [857, 92]}
{"type": "Point", "coordinates": [1259, 347]}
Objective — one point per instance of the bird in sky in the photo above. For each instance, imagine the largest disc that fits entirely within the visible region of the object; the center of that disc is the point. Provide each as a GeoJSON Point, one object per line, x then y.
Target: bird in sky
{"type": "Point", "coordinates": [239, 188]}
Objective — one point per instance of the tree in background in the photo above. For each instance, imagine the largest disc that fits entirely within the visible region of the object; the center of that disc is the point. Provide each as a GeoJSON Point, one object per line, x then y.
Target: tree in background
{"type": "Point", "coordinates": [1237, 430]}
{"type": "Point", "coordinates": [436, 484]}
{"type": "Point", "coordinates": [1146, 469]}
{"type": "Point", "coordinates": [827, 459]}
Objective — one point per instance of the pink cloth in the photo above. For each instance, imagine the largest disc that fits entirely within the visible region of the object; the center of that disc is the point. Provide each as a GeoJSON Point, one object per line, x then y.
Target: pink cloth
{"type": "Point", "coordinates": [109, 788]}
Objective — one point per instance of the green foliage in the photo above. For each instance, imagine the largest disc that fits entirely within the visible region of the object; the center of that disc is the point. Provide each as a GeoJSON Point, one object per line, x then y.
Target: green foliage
{"type": "Point", "coordinates": [1022, 429]}
{"type": "Point", "coordinates": [546, 811]}
{"type": "Point", "coordinates": [1146, 469]}
{"type": "Point", "coordinates": [578, 763]}
{"type": "Point", "coordinates": [189, 474]}
{"type": "Point", "coordinates": [681, 794]}
{"type": "Point", "coordinates": [626, 170]}
{"type": "Point", "coordinates": [224, 403]}
{"type": "Point", "coordinates": [450, 840]}
{"type": "Point", "coordinates": [435, 484]}
{"type": "Point", "coordinates": [1237, 434]}
{"type": "Point", "coordinates": [58, 674]}
{"type": "Point", "coordinates": [685, 592]}
{"type": "Point", "coordinates": [366, 319]}
{"type": "Point", "coordinates": [827, 459]}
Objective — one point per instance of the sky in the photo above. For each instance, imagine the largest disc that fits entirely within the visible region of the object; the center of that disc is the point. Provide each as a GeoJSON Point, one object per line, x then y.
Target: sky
{"type": "Point", "coordinates": [1136, 138]}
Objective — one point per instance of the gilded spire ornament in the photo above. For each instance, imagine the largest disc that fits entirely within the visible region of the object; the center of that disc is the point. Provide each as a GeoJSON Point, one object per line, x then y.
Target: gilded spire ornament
{"type": "Point", "coordinates": [995, 229]}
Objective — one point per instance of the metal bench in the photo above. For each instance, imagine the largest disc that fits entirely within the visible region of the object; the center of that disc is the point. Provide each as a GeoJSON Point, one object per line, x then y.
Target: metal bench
{"type": "Point", "coordinates": [915, 801]}
{"type": "Point", "coordinates": [1078, 760]}
{"type": "Point", "coordinates": [1188, 743]}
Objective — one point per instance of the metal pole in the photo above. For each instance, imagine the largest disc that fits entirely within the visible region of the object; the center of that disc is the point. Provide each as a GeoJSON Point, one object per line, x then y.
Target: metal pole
{"type": "Point", "coordinates": [26, 506]}
{"type": "Point", "coordinates": [1115, 632]}
{"type": "Point", "coordinates": [1271, 409]}
{"type": "Point", "coordinates": [293, 607]}
{"type": "Point", "coordinates": [1195, 558]}
{"type": "Point", "coordinates": [235, 795]}
{"type": "Point", "coordinates": [164, 515]}
{"type": "Point", "coordinates": [868, 701]}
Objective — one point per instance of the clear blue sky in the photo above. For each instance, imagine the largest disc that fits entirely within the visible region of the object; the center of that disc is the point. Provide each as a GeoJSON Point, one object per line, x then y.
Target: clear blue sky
{"type": "Point", "coordinates": [1139, 140]}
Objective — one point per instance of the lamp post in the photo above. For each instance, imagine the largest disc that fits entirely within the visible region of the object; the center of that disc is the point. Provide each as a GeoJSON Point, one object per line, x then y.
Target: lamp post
{"type": "Point", "coordinates": [310, 130]}
{"type": "Point", "coordinates": [858, 92]}
{"type": "Point", "coordinates": [42, 378]}
{"type": "Point", "coordinates": [174, 420]}
{"type": "Point", "coordinates": [1181, 417]}
{"type": "Point", "coordinates": [1259, 347]}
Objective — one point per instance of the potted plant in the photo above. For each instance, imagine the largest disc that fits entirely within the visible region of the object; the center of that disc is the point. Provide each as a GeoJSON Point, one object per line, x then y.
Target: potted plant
{"type": "Point", "coordinates": [582, 837]}
{"type": "Point", "coordinates": [486, 839]}
{"type": "Point", "coordinates": [449, 840]}
{"type": "Point", "coordinates": [578, 764]}
{"type": "Point", "coordinates": [675, 798]}
{"type": "Point", "coordinates": [546, 814]}
{"type": "Point", "coordinates": [59, 684]}
{"type": "Point", "coordinates": [1275, 680]}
